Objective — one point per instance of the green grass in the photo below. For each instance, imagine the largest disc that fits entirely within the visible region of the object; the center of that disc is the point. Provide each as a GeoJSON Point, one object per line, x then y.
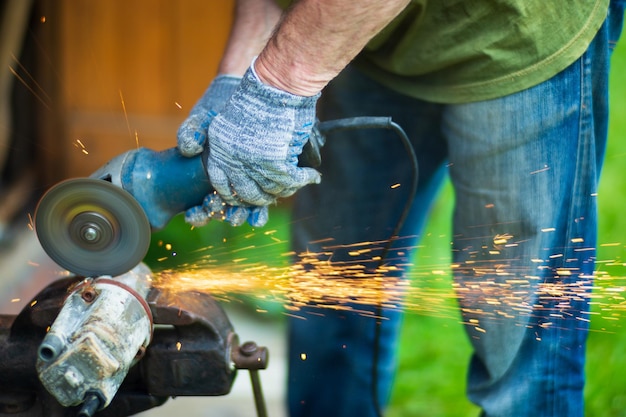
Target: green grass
{"type": "Point", "coordinates": [606, 359]}
{"type": "Point", "coordinates": [433, 350]}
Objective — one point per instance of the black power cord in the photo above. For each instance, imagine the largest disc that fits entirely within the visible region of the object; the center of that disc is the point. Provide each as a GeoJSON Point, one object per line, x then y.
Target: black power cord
{"type": "Point", "coordinates": [367, 122]}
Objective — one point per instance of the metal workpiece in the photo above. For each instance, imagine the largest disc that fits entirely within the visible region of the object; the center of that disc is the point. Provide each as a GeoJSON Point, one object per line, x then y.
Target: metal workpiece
{"type": "Point", "coordinates": [80, 336]}
{"type": "Point", "coordinates": [103, 328]}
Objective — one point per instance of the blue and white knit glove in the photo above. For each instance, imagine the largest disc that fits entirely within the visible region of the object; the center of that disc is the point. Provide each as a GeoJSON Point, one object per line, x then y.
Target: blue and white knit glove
{"type": "Point", "coordinates": [192, 138]}
{"type": "Point", "coordinates": [192, 133]}
{"type": "Point", "coordinates": [255, 141]}
{"type": "Point", "coordinates": [214, 208]}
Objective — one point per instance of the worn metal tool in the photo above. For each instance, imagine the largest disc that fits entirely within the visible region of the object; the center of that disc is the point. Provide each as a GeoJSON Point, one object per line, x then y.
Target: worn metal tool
{"type": "Point", "coordinates": [117, 347]}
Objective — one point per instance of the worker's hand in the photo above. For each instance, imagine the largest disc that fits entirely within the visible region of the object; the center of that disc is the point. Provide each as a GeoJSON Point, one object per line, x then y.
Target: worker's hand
{"type": "Point", "coordinates": [192, 133]}
{"type": "Point", "coordinates": [192, 138]}
{"type": "Point", "coordinates": [255, 141]}
{"type": "Point", "coordinates": [214, 208]}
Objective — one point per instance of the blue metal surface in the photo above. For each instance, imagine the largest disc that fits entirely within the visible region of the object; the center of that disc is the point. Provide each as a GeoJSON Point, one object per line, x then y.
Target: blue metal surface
{"type": "Point", "coordinates": [164, 183]}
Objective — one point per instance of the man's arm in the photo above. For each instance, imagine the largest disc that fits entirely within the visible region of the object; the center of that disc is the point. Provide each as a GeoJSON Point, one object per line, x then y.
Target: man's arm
{"type": "Point", "coordinates": [253, 25]}
{"type": "Point", "coordinates": [316, 39]}
{"type": "Point", "coordinates": [257, 125]}
{"type": "Point", "coordinates": [313, 42]}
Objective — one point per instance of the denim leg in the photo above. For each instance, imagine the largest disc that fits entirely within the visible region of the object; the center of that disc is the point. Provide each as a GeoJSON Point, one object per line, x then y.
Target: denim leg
{"type": "Point", "coordinates": [338, 364]}
{"type": "Point", "coordinates": [525, 170]}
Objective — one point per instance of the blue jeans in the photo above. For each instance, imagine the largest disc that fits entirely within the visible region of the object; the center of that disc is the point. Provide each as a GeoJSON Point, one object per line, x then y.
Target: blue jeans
{"type": "Point", "coordinates": [525, 171]}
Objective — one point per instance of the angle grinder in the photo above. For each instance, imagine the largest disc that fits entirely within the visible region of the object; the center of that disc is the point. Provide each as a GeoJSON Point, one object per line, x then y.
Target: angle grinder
{"type": "Point", "coordinates": [102, 225]}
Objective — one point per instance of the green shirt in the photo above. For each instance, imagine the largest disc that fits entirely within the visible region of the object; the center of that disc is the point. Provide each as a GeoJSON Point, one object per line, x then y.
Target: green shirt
{"type": "Point", "coordinates": [455, 51]}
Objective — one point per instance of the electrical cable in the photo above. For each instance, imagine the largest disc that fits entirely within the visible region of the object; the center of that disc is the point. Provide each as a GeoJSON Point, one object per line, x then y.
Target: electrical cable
{"type": "Point", "coordinates": [367, 122]}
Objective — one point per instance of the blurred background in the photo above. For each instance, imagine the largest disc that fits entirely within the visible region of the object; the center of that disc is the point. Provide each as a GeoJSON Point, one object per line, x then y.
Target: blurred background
{"type": "Point", "coordinates": [83, 81]}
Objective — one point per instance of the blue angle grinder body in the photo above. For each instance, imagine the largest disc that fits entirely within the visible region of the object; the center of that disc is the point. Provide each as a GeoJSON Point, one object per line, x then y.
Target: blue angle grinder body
{"type": "Point", "coordinates": [102, 225]}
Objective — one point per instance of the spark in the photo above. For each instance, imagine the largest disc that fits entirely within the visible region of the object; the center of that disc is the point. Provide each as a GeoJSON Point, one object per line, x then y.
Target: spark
{"type": "Point", "coordinates": [16, 300]}
{"type": "Point", "coordinates": [177, 104]}
{"type": "Point", "coordinates": [584, 249]}
{"type": "Point", "coordinates": [126, 115]}
{"type": "Point", "coordinates": [311, 283]}
{"type": "Point", "coordinates": [328, 239]}
{"type": "Point", "coordinates": [80, 145]}
{"type": "Point", "coordinates": [502, 239]}
{"type": "Point", "coordinates": [31, 84]}
{"type": "Point", "coordinates": [394, 186]}
{"type": "Point", "coordinates": [545, 168]}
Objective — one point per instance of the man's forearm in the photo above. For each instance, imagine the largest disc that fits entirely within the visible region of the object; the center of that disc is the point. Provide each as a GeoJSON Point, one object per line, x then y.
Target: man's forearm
{"type": "Point", "coordinates": [316, 39]}
{"type": "Point", "coordinates": [253, 24]}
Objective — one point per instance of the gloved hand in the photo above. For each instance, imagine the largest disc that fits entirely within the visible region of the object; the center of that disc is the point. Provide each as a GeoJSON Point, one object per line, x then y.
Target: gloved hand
{"type": "Point", "coordinates": [254, 143]}
{"type": "Point", "coordinates": [192, 138]}
{"type": "Point", "coordinates": [192, 133]}
{"type": "Point", "coordinates": [214, 208]}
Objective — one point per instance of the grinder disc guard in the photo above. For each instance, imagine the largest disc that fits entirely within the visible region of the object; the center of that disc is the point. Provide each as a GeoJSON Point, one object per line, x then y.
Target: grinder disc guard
{"type": "Point", "coordinates": [91, 227]}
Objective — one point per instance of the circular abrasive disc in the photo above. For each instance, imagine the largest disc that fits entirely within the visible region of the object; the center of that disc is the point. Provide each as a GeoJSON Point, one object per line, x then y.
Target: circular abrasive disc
{"type": "Point", "coordinates": [91, 227]}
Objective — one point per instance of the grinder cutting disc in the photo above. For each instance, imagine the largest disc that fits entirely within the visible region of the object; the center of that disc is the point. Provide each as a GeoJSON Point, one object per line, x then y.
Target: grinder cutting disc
{"type": "Point", "coordinates": [91, 227]}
